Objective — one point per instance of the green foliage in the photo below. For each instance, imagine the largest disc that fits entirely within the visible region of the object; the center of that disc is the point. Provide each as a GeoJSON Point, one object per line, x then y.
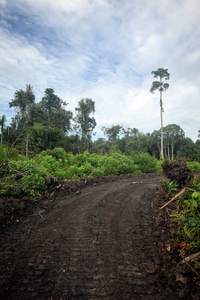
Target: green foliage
{"type": "Point", "coordinates": [195, 166]}
{"type": "Point", "coordinates": [57, 153]}
{"type": "Point", "coordinates": [187, 220]}
{"type": "Point", "coordinates": [85, 170]}
{"type": "Point", "coordinates": [28, 175]}
{"type": "Point", "coordinates": [85, 124]}
{"type": "Point", "coordinates": [25, 177]}
{"type": "Point", "coordinates": [54, 166]}
{"type": "Point", "coordinates": [33, 184]}
{"type": "Point", "coordinates": [147, 163]}
{"type": "Point", "coordinates": [169, 186]}
{"type": "Point", "coordinates": [5, 155]}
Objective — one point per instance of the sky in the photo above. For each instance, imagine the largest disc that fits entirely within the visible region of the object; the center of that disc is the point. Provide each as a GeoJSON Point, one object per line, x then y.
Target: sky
{"type": "Point", "coordinates": [105, 50]}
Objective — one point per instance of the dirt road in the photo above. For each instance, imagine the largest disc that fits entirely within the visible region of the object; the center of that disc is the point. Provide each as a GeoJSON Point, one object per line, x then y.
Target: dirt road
{"type": "Point", "coordinates": [96, 243]}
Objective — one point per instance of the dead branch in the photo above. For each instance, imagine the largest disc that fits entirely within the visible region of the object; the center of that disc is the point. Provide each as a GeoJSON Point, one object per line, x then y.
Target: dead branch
{"type": "Point", "coordinates": [175, 197]}
{"type": "Point", "coordinates": [191, 258]}
{"type": "Point", "coordinates": [89, 176]}
{"type": "Point", "coordinates": [91, 173]}
{"type": "Point", "coordinates": [191, 268]}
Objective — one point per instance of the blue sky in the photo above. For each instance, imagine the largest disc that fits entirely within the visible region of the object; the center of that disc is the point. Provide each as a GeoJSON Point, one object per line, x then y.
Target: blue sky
{"type": "Point", "coordinates": [105, 50]}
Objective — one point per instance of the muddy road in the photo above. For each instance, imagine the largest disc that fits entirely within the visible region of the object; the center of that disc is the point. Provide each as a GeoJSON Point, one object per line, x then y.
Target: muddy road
{"type": "Point", "coordinates": [99, 242]}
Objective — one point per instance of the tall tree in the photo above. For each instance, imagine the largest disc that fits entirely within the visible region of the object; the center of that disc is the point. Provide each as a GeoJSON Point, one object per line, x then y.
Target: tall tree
{"type": "Point", "coordinates": [84, 122]}
{"type": "Point", "coordinates": [173, 133]}
{"type": "Point", "coordinates": [22, 100]}
{"type": "Point", "coordinates": [161, 86]}
{"type": "Point", "coordinates": [53, 106]}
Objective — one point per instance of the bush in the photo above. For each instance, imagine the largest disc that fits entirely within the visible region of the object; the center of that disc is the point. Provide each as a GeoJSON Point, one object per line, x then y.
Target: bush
{"type": "Point", "coordinates": [85, 170]}
{"type": "Point", "coordinates": [57, 153]}
{"type": "Point", "coordinates": [195, 166]}
{"type": "Point", "coordinates": [6, 154]}
{"type": "Point", "coordinates": [25, 176]}
{"type": "Point", "coordinates": [28, 176]}
{"type": "Point", "coordinates": [146, 162]}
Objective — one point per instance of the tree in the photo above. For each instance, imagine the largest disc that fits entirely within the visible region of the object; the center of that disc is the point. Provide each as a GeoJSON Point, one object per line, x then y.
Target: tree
{"type": "Point", "coordinates": [22, 99]}
{"type": "Point", "coordinates": [32, 120]}
{"type": "Point", "coordinates": [113, 132]}
{"type": "Point", "coordinates": [43, 137]}
{"type": "Point", "coordinates": [2, 124]}
{"type": "Point", "coordinates": [173, 133]}
{"type": "Point", "coordinates": [53, 108]}
{"type": "Point", "coordinates": [161, 86]}
{"type": "Point", "coordinates": [85, 124]}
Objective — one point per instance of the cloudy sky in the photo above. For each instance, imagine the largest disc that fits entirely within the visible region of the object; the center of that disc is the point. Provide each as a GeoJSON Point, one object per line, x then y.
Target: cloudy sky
{"type": "Point", "coordinates": [105, 50]}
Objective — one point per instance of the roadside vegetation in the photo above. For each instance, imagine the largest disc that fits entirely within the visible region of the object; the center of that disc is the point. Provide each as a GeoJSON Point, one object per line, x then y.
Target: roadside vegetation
{"type": "Point", "coordinates": [28, 175]}
{"type": "Point", "coordinates": [185, 219]}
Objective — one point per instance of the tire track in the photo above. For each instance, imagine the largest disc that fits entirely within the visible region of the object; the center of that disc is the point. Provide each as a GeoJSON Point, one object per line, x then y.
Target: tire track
{"type": "Point", "coordinates": [95, 245]}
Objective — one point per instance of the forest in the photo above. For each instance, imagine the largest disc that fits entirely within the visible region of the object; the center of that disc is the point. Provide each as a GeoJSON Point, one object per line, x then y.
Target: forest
{"type": "Point", "coordinates": [44, 138]}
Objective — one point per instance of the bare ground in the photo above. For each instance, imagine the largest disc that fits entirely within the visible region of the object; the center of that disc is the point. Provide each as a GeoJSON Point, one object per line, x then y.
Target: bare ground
{"type": "Point", "coordinates": [100, 239]}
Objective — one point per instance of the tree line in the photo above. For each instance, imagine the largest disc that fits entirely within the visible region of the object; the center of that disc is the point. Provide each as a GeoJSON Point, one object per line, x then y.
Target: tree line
{"type": "Point", "coordinates": [47, 124]}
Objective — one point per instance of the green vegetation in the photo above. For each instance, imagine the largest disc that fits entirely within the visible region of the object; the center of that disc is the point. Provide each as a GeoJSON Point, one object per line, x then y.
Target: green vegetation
{"type": "Point", "coordinates": [44, 139]}
{"type": "Point", "coordinates": [169, 186]}
{"type": "Point", "coordinates": [187, 217]}
{"type": "Point", "coordinates": [23, 175]}
{"type": "Point", "coordinates": [47, 124]}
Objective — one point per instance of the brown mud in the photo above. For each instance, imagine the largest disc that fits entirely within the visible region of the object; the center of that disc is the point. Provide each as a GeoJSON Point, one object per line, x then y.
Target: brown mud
{"type": "Point", "coordinates": [104, 238]}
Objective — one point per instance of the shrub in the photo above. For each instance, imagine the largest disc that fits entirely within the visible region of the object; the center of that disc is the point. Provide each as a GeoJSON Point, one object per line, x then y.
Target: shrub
{"type": "Point", "coordinates": [73, 172]}
{"type": "Point", "coordinates": [25, 176]}
{"type": "Point", "coordinates": [145, 162]}
{"type": "Point", "coordinates": [195, 166]}
{"type": "Point", "coordinates": [85, 170]}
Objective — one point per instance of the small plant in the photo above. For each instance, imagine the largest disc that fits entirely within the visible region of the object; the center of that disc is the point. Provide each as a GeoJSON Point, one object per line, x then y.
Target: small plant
{"type": "Point", "coordinates": [187, 220]}
{"type": "Point", "coordinates": [169, 186]}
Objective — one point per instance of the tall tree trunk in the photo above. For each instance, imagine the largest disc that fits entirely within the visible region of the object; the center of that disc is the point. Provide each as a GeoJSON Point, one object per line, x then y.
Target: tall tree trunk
{"type": "Point", "coordinates": [172, 151]}
{"type": "Point", "coordinates": [168, 152]}
{"type": "Point", "coordinates": [158, 145]}
{"type": "Point", "coordinates": [161, 118]}
{"type": "Point", "coordinates": [165, 151]}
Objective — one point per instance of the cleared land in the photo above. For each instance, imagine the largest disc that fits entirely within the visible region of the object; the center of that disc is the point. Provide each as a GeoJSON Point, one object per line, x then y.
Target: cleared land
{"type": "Point", "coordinates": [100, 241]}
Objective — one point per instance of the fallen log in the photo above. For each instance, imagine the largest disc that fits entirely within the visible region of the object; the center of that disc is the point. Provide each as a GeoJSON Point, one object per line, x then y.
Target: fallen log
{"type": "Point", "coordinates": [175, 197]}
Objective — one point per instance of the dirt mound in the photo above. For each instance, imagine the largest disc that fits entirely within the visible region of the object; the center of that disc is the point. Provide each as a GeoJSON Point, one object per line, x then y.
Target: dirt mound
{"type": "Point", "coordinates": [177, 171]}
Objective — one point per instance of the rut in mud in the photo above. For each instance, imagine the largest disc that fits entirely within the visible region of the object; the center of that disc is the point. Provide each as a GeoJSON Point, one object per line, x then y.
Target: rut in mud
{"type": "Point", "coordinates": [98, 243]}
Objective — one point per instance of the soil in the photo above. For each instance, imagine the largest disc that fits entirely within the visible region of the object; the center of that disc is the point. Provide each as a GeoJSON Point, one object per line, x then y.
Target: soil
{"type": "Point", "coordinates": [102, 238]}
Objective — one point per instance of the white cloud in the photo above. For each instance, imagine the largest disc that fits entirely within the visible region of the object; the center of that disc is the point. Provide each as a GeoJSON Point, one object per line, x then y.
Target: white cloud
{"type": "Point", "coordinates": [105, 50]}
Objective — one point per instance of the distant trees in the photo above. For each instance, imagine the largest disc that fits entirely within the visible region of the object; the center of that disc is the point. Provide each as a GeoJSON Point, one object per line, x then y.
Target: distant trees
{"type": "Point", "coordinates": [161, 86]}
{"type": "Point", "coordinates": [172, 134]}
{"type": "Point", "coordinates": [113, 132]}
{"type": "Point", "coordinates": [84, 123]}
{"type": "Point", "coordinates": [38, 126]}
{"type": "Point", "coordinates": [47, 125]}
